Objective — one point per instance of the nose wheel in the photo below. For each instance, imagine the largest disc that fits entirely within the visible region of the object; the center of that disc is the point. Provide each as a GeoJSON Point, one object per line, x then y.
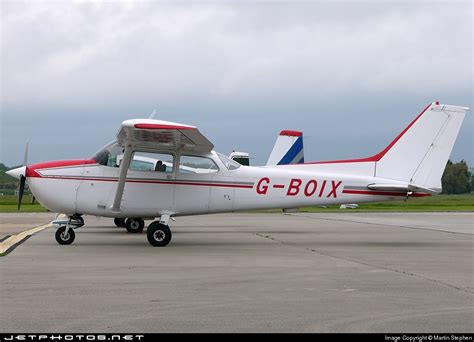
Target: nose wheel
{"type": "Point", "coordinates": [65, 235]}
{"type": "Point", "coordinates": [158, 234]}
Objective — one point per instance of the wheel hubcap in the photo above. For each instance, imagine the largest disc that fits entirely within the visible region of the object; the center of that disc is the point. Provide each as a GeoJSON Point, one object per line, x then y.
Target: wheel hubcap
{"type": "Point", "coordinates": [65, 236]}
{"type": "Point", "coordinates": [134, 225]}
{"type": "Point", "coordinates": [159, 235]}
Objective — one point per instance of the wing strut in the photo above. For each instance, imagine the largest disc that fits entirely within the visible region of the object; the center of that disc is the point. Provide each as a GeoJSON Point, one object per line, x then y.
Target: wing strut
{"type": "Point", "coordinates": [124, 165]}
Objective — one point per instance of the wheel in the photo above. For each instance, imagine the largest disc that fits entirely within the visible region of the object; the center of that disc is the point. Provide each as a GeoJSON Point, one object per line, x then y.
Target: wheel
{"type": "Point", "coordinates": [159, 235]}
{"type": "Point", "coordinates": [134, 225]}
{"type": "Point", "coordinates": [119, 222]}
{"type": "Point", "coordinates": [65, 239]}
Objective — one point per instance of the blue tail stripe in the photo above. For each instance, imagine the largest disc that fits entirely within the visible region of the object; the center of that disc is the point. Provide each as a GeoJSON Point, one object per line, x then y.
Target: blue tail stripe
{"type": "Point", "coordinates": [292, 152]}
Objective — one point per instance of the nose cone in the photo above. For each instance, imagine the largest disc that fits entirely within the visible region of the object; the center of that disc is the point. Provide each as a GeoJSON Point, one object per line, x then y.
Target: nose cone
{"type": "Point", "coordinates": [18, 172]}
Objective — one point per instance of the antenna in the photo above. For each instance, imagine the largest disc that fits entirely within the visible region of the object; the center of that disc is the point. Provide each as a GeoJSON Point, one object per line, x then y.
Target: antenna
{"type": "Point", "coordinates": [152, 115]}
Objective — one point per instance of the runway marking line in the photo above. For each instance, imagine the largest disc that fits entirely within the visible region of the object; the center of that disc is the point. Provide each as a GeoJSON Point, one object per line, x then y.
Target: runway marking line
{"type": "Point", "coordinates": [10, 243]}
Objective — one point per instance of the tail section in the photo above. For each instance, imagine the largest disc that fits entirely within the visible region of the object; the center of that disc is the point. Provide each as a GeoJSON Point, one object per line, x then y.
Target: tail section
{"type": "Point", "coordinates": [419, 154]}
{"type": "Point", "coordinates": [288, 149]}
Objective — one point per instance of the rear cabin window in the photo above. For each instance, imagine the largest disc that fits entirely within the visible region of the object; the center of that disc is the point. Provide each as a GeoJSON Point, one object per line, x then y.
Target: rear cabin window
{"type": "Point", "coordinates": [193, 164]}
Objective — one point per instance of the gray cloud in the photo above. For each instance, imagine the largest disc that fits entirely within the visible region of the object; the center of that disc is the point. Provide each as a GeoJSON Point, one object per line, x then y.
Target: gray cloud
{"type": "Point", "coordinates": [351, 75]}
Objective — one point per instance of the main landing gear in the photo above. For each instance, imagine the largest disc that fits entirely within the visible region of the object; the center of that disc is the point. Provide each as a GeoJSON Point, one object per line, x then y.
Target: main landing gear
{"type": "Point", "coordinates": [158, 232]}
{"type": "Point", "coordinates": [133, 225]}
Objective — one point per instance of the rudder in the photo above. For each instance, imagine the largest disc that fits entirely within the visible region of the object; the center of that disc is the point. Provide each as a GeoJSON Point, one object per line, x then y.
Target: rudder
{"type": "Point", "coordinates": [419, 154]}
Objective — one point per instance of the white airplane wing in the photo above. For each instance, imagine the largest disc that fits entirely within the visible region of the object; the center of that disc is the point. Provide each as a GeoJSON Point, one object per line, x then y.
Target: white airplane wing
{"type": "Point", "coordinates": [162, 135]}
{"type": "Point", "coordinates": [155, 135]}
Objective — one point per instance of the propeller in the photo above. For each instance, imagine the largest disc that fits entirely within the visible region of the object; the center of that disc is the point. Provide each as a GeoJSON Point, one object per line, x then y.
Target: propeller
{"type": "Point", "coordinates": [21, 189]}
{"type": "Point", "coordinates": [21, 174]}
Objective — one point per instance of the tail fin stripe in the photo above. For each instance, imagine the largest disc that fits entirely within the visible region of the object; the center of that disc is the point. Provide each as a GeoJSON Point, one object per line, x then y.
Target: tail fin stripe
{"type": "Point", "coordinates": [292, 152]}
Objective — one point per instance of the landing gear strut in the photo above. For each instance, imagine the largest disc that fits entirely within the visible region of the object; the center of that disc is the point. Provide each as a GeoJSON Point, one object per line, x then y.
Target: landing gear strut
{"type": "Point", "coordinates": [65, 233]}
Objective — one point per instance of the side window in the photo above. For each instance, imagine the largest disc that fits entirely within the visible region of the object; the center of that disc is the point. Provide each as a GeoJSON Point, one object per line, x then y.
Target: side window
{"type": "Point", "coordinates": [156, 162]}
{"type": "Point", "coordinates": [193, 164]}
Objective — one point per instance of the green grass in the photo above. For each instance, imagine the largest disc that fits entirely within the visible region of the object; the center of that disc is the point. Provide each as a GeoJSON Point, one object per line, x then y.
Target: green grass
{"type": "Point", "coordinates": [434, 203]}
{"type": "Point", "coordinates": [9, 204]}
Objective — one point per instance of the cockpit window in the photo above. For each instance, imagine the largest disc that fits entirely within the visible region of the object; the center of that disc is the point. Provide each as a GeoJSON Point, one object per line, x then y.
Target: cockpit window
{"type": "Point", "coordinates": [112, 154]}
{"type": "Point", "coordinates": [107, 156]}
{"type": "Point", "coordinates": [152, 161]}
{"type": "Point", "coordinates": [197, 164]}
{"type": "Point", "coordinates": [229, 163]}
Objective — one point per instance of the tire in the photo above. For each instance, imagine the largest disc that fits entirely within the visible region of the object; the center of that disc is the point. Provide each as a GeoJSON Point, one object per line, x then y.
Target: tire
{"type": "Point", "coordinates": [134, 225]}
{"type": "Point", "coordinates": [159, 235]}
{"type": "Point", "coordinates": [62, 239]}
{"type": "Point", "coordinates": [119, 222]}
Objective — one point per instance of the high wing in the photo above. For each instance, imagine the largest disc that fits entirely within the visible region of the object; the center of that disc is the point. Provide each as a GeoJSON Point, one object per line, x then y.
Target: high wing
{"type": "Point", "coordinates": [162, 135]}
{"type": "Point", "coordinates": [153, 135]}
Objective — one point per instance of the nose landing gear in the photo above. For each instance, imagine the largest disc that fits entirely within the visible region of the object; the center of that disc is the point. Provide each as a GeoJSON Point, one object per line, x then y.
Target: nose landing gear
{"type": "Point", "coordinates": [65, 233]}
{"type": "Point", "coordinates": [65, 236]}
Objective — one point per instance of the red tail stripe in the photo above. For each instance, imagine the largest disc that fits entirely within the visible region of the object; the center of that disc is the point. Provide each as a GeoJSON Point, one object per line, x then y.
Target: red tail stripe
{"type": "Point", "coordinates": [378, 156]}
{"type": "Point", "coordinates": [291, 133]}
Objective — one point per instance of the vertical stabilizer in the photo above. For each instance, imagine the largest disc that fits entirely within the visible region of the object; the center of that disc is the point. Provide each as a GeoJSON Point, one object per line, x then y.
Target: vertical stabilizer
{"type": "Point", "coordinates": [419, 154]}
{"type": "Point", "coordinates": [288, 149]}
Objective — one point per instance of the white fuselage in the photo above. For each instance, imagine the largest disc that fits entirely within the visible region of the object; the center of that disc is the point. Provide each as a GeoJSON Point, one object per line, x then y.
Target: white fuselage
{"type": "Point", "coordinates": [90, 188]}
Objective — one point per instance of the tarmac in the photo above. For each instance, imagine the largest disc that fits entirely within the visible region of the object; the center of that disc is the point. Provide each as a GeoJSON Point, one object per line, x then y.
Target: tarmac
{"type": "Point", "coordinates": [249, 272]}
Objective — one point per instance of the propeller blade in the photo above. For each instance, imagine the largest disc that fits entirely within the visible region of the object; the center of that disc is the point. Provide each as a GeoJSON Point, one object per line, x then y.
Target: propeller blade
{"type": "Point", "coordinates": [25, 157]}
{"type": "Point", "coordinates": [21, 190]}
{"type": "Point", "coordinates": [33, 199]}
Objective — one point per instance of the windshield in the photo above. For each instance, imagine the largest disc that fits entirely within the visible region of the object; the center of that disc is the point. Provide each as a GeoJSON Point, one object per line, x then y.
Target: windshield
{"type": "Point", "coordinates": [229, 163]}
{"type": "Point", "coordinates": [107, 155]}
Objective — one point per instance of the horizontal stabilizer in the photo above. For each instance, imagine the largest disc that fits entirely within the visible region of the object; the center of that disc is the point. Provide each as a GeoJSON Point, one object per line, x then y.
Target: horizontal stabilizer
{"type": "Point", "coordinates": [401, 187]}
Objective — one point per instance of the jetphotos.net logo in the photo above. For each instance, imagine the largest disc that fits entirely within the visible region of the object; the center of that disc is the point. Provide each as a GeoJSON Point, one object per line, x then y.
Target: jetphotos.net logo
{"type": "Point", "coordinates": [70, 337]}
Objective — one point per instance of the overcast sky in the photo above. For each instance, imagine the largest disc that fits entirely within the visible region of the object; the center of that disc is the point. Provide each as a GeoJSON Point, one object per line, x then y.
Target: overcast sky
{"type": "Point", "coordinates": [351, 75]}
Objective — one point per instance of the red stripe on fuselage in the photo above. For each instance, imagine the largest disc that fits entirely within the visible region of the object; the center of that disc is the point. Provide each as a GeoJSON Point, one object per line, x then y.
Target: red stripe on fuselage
{"type": "Point", "coordinates": [151, 181]}
{"type": "Point", "coordinates": [31, 170]}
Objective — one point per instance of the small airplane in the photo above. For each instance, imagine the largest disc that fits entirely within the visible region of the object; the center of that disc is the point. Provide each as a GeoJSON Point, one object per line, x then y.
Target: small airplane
{"type": "Point", "coordinates": [198, 180]}
{"type": "Point", "coordinates": [287, 150]}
